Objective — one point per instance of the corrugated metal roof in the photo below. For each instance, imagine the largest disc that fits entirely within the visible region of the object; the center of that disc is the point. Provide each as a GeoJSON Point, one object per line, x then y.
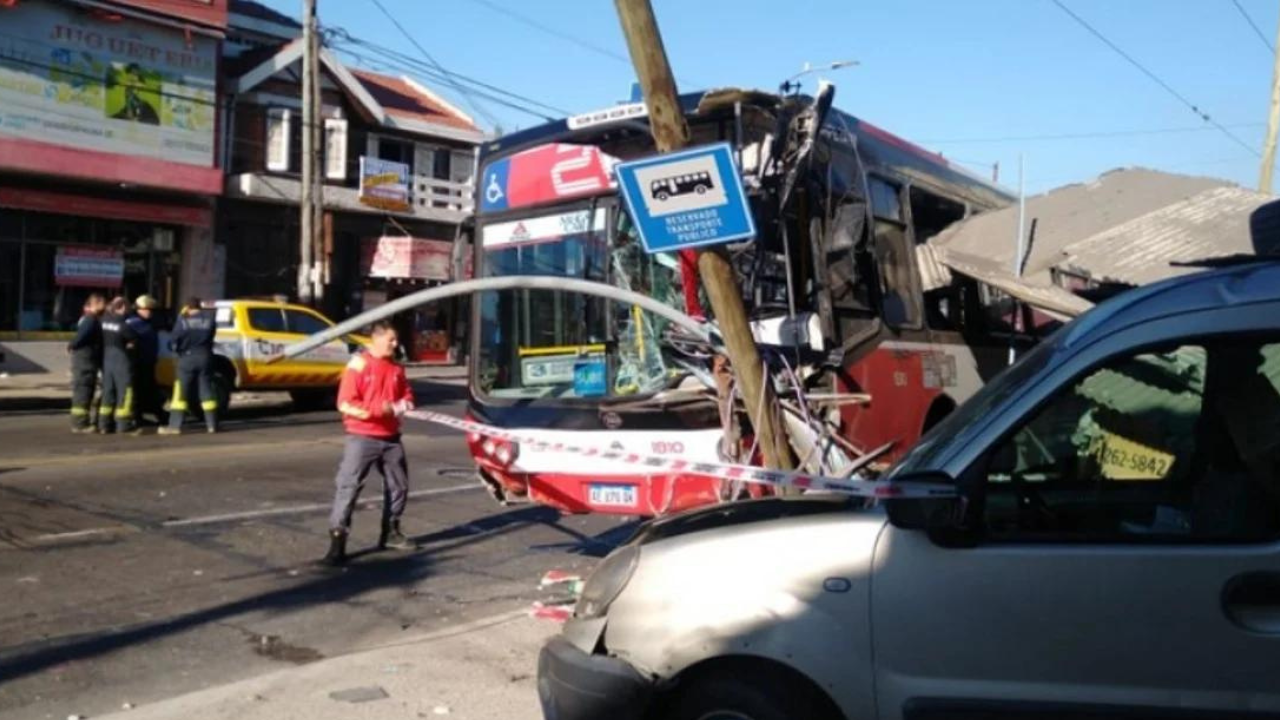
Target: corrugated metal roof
{"type": "Point", "coordinates": [1212, 223]}
{"type": "Point", "coordinates": [1126, 226]}
{"type": "Point", "coordinates": [1057, 302]}
{"type": "Point", "coordinates": [1068, 215]}
{"type": "Point", "coordinates": [933, 273]}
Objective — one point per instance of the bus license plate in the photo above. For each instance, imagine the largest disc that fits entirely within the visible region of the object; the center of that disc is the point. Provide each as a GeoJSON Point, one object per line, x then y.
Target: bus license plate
{"type": "Point", "coordinates": [616, 495]}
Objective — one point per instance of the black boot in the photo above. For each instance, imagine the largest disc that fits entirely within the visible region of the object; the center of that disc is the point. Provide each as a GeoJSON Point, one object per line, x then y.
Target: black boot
{"type": "Point", "coordinates": [337, 555]}
{"type": "Point", "coordinates": [393, 538]}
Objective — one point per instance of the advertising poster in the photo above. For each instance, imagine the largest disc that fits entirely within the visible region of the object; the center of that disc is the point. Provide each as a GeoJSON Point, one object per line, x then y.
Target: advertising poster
{"type": "Point", "coordinates": [79, 266]}
{"type": "Point", "coordinates": [384, 184]}
{"type": "Point", "coordinates": [125, 87]}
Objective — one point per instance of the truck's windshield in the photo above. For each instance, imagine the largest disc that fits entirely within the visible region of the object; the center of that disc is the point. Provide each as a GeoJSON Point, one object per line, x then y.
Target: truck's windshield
{"type": "Point", "coordinates": [545, 343]}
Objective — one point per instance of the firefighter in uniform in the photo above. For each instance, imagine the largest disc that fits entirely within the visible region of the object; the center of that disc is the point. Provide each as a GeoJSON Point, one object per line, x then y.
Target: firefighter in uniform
{"type": "Point", "coordinates": [117, 370]}
{"type": "Point", "coordinates": [146, 396]}
{"type": "Point", "coordinates": [86, 360]}
{"type": "Point", "coordinates": [374, 393]}
{"type": "Point", "coordinates": [192, 343]}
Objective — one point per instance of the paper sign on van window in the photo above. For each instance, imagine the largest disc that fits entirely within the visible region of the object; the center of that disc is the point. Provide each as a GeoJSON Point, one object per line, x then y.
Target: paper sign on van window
{"type": "Point", "coordinates": [1120, 458]}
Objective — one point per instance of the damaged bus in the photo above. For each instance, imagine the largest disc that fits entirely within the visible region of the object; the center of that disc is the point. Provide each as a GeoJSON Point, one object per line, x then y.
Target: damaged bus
{"type": "Point", "coordinates": [872, 341]}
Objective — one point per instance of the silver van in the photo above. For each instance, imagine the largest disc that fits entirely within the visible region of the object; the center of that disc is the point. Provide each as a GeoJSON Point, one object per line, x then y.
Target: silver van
{"type": "Point", "coordinates": [1113, 551]}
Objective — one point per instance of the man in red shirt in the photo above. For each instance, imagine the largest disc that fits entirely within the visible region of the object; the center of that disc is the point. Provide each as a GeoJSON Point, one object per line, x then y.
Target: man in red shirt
{"type": "Point", "coordinates": [373, 395]}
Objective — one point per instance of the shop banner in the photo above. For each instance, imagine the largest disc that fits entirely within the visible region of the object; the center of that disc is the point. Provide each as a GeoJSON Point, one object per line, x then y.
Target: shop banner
{"type": "Point", "coordinates": [384, 184]}
{"type": "Point", "coordinates": [124, 87]}
{"type": "Point", "coordinates": [88, 267]}
{"type": "Point", "coordinates": [408, 257]}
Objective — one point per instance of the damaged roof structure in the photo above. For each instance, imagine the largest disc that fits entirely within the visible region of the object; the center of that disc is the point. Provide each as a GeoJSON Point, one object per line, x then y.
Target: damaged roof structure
{"type": "Point", "coordinates": [1122, 230]}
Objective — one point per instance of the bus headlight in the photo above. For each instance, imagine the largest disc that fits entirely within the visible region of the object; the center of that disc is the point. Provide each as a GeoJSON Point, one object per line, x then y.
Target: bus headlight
{"type": "Point", "coordinates": [607, 582]}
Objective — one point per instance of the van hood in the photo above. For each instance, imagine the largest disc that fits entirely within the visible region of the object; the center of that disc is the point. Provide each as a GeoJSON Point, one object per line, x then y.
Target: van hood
{"type": "Point", "coordinates": [741, 513]}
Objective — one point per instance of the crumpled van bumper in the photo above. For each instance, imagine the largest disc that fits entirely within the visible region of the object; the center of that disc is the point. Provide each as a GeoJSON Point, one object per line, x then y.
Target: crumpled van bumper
{"type": "Point", "coordinates": [575, 685]}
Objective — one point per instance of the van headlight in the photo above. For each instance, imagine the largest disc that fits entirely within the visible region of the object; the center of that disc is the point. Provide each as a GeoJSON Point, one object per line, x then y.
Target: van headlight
{"type": "Point", "coordinates": [607, 582]}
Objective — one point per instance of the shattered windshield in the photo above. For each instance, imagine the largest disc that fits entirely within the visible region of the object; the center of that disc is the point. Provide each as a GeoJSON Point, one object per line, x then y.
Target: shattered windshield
{"type": "Point", "coordinates": [547, 343]}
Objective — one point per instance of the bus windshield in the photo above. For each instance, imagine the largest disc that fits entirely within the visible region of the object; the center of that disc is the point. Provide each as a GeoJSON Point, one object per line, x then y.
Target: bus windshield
{"type": "Point", "coordinates": [551, 344]}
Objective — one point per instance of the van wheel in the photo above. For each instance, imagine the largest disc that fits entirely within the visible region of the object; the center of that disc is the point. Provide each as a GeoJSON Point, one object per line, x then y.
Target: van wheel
{"type": "Point", "coordinates": [309, 400]}
{"type": "Point", "coordinates": [222, 387]}
{"type": "Point", "coordinates": [752, 695]}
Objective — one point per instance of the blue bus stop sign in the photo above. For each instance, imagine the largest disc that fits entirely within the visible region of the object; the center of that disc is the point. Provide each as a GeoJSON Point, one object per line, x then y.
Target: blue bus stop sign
{"type": "Point", "coordinates": [686, 199]}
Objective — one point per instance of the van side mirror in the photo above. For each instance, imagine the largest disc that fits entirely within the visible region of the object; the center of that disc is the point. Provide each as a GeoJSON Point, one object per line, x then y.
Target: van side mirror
{"type": "Point", "coordinates": [927, 513]}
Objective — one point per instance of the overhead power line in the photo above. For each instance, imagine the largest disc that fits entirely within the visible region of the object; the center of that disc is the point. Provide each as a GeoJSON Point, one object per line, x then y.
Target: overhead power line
{"type": "Point", "coordinates": [1261, 35]}
{"type": "Point", "coordinates": [568, 37]}
{"type": "Point", "coordinates": [1156, 78]}
{"type": "Point", "coordinates": [1080, 135]}
{"type": "Point", "coordinates": [466, 95]}
{"type": "Point", "coordinates": [380, 61]}
{"type": "Point", "coordinates": [574, 39]}
{"type": "Point", "coordinates": [391, 57]}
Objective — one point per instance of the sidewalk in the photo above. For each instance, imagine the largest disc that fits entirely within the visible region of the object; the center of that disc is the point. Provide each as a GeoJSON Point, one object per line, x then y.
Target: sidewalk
{"type": "Point", "coordinates": [477, 671]}
{"type": "Point", "coordinates": [56, 385]}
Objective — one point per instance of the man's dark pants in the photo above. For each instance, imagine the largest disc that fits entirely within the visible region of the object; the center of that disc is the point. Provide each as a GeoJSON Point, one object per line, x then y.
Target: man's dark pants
{"type": "Point", "coordinates": [84, 382]}
{"type": "Point", "coordinates": [195, 372]}
{"type": "Point", "coordinates": [360, 455]}
{"type": "Point", "coordinates": [117, 393]}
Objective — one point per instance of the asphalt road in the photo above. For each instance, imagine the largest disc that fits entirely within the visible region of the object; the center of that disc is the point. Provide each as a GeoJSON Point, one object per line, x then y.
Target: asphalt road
{"type": "Point", "coordinates": [135, 569]}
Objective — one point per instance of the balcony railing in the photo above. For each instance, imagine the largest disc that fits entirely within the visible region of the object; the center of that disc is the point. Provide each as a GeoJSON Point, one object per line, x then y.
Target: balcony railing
{"type": "Point", "coordinates": [428, 192]}
{"type": "Point", "coordinates": [430, 199]}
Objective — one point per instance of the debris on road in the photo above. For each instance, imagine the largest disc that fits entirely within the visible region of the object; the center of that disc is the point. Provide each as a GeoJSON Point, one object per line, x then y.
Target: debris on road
{"type": "Point", "coordinates": [562, 577]}
{"type": "Point", "coordinates": [360, 694]}
{"type": "Point", "coordinates": [554, 613]}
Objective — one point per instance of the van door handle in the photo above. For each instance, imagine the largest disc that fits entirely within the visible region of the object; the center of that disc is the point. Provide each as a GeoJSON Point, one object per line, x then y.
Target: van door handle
{"type": "Point", "coordinates": [1252, 601]}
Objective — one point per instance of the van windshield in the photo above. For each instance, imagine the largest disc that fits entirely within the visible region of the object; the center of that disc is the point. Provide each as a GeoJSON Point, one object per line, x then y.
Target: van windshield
{"type": "Point", "coordinates": [956, 428]}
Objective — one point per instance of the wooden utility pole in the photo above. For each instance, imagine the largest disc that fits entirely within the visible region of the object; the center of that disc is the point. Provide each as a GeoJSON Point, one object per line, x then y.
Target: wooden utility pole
{"type": "Point", "coordinates": [671, 132]}
{"type": "Point", "coordinates": [306, 241]}
{"type": "Point", "coordinates": [320, 257]}
{"type": "Point", "coordinates": [1273, 125]}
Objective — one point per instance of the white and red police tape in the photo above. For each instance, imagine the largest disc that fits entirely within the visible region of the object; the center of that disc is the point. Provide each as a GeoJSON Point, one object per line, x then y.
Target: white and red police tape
{"type": "Point", "coordinates": [880, 489]}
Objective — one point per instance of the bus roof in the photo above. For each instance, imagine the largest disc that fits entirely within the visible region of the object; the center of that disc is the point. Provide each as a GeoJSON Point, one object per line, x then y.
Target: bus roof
{"type": "Point", "coordinates": [879, 148]}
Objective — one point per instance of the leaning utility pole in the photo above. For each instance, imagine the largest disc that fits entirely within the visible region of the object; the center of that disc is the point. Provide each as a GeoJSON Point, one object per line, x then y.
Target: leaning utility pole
{"type": "Point", "coordinates": [671, 132]}
{"type": "Point", "coordinates": [306, 241]}
{"type": "Point", "coordinates": [1273, 125]}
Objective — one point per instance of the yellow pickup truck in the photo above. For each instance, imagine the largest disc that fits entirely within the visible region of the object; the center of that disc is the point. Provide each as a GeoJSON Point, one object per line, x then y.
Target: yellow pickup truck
{"type": "Point", "coordinates": [250, 332]}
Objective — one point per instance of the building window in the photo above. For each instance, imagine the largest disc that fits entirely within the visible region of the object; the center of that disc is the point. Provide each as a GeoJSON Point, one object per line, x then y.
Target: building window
{"type": "Point", "coordinates": [335, 149]}
{"type": "Point", "coordinates": [395, 151]}
{"type": "Point", "coordinates": [278, 137]}
{"type": "Point", "coordinates": [440, 165]}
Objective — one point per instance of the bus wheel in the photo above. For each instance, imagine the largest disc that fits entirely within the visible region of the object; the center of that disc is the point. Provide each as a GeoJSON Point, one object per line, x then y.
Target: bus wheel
{"type": "Point", "coordinates": [663, 197]}
{"type": "Point", "coordinates": [938, 411]}
{"type": "Point", "coordinates": [701, 189]}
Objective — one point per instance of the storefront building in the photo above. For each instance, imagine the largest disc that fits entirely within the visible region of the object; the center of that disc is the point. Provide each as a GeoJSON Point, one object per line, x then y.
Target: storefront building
{"type": "Point", "coordinates": [108, 164]}
{"type": "Point", "coordinates": [397, 164]}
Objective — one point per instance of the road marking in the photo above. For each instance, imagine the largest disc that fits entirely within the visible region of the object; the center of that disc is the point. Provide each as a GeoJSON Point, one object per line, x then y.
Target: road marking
{"type": "Point", "coordinates": [54, 537]}
{"type": "Point", "coordinates": [184, 451]}
{"type": "Point", "coordinates": [298, 509]}
{"type": "Point", "coordinates": [445, 632]}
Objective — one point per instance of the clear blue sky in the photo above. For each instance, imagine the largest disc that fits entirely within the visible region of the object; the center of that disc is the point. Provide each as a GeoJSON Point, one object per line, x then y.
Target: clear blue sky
{"type": "Point", "coordinates": [957, 77]}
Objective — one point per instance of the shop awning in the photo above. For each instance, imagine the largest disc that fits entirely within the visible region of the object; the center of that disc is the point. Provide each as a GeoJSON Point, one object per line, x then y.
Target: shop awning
{"type": "Point", "coordinates": [88, 206]}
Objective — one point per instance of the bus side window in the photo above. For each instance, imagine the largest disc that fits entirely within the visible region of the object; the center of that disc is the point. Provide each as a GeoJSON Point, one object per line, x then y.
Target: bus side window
{"type": "Point", "coordinates": [930, 215]}
{"type": "Point", "coordinates": [901, 304]}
